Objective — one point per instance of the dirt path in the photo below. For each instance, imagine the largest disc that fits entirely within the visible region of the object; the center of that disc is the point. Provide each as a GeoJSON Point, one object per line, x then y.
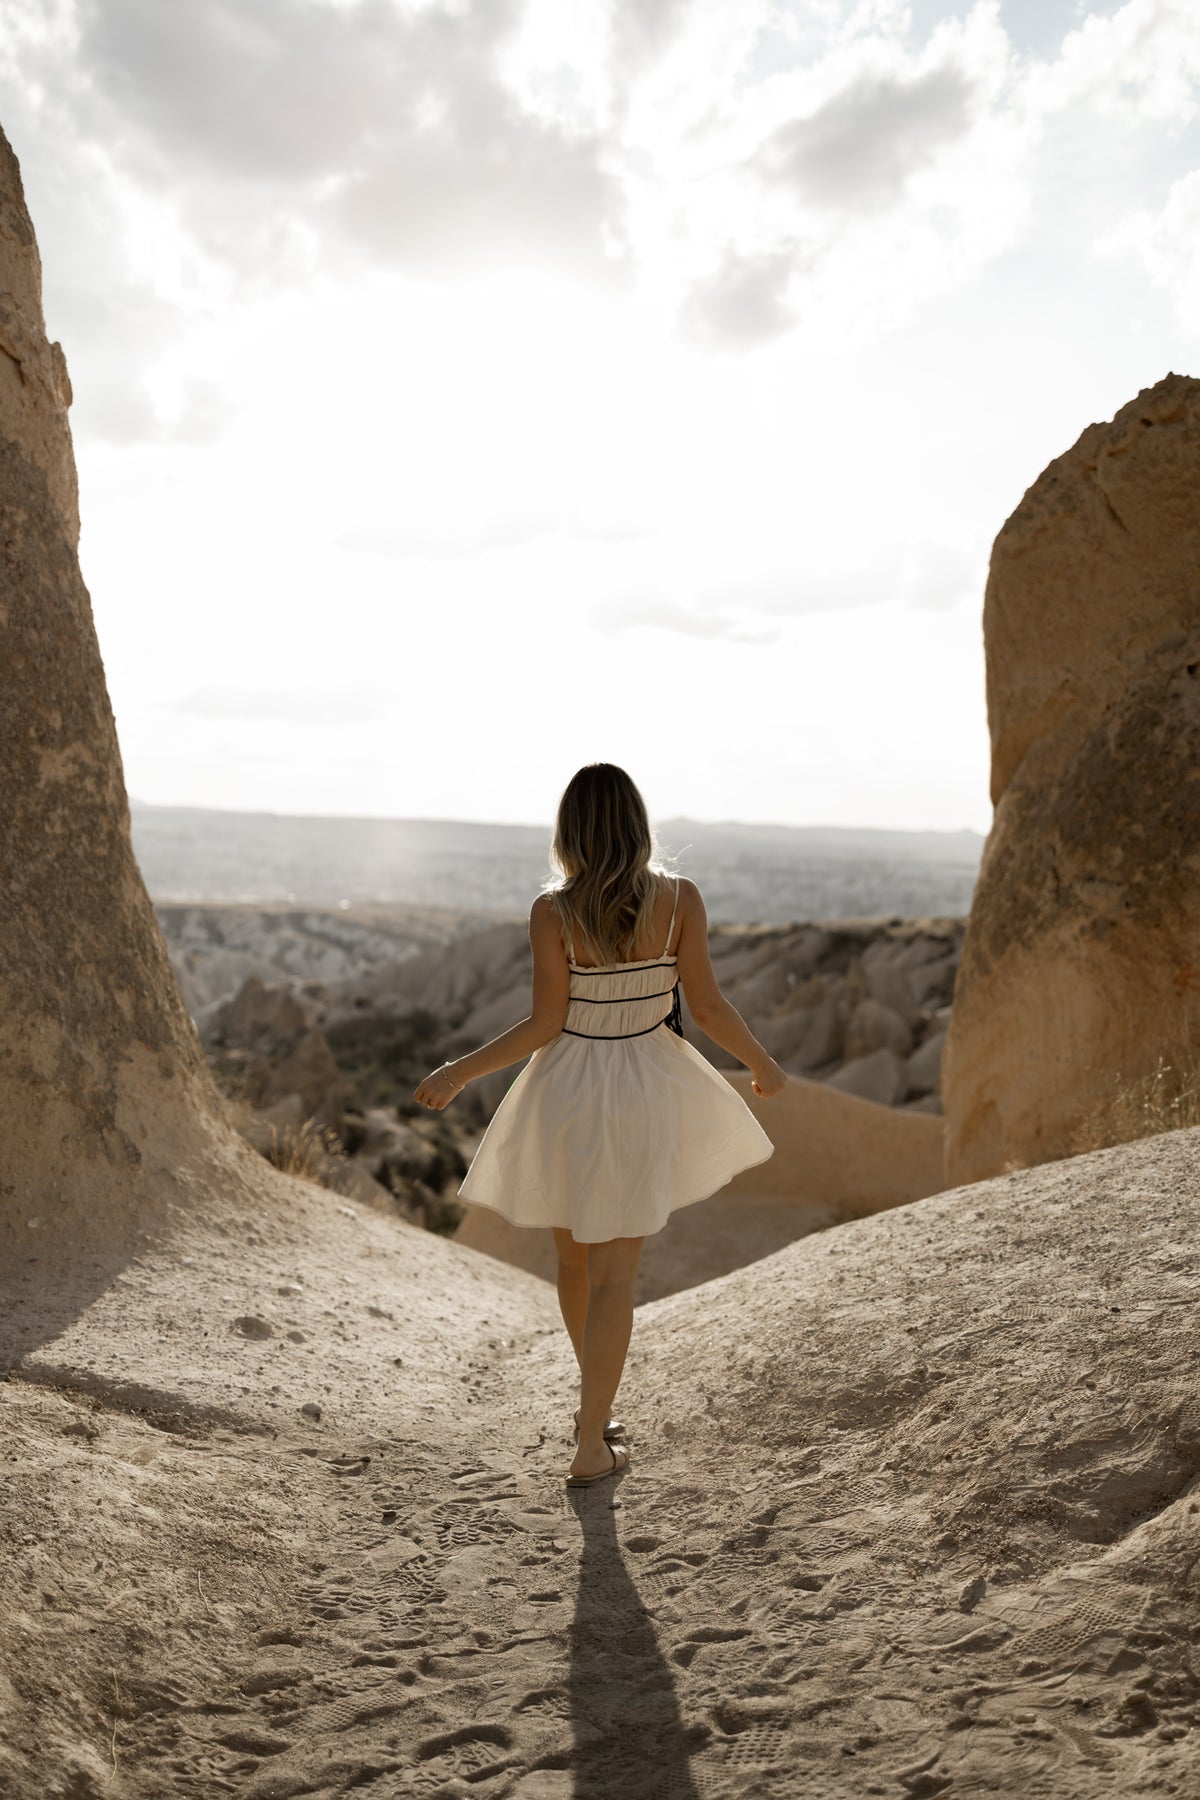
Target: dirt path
{"type": "Point", "coordinates": [913, 1510]}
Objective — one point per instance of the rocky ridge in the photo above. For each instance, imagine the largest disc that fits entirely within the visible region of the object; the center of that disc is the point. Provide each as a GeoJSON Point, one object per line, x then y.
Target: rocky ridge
{"type": "Point", "coordinates": [863, 1004]}
{"type": "Point", "coordinates": [214, 949]}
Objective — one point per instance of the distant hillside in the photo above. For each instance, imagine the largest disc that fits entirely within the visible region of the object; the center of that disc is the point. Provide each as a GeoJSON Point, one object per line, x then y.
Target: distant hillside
{"type": "Point", "coordinates": [770, 874]}
{"type": "Point", "coordinates": [215, 946]}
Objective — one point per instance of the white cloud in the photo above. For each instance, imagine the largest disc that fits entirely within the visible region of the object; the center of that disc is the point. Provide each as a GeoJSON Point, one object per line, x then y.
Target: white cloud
{"type": "Point", "coordinates": [837, 196]}
{"type": "Point", "coordinates": [306, 706]}
{"type": "Point", "coordinates": [858, 150]}
{"type": "Point", "coordinates": [1140, 62]}
{"type": "Point", "coordinates": [745, 300]}
{"type": "Point", "coordinates": [484, 528]}
{"type": "Point", "coordinates": [216, 154]}
{"type": "Point", "coordinates": [652, 612]}
{"type": "Point", "coordinates": [390, 127]}
{"type": "Point", "coordinates": [746, 604]}
{"type": "Point", "coordinates": [1167, 242]}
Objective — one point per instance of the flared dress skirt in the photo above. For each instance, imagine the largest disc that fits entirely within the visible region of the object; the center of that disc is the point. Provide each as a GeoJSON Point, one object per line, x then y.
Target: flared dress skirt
{"type": "Point", "coordinates": [616, 1124]}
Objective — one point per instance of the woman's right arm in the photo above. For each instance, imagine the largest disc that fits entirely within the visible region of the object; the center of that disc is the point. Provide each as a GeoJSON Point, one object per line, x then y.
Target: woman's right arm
{"type": "Point", "coordinates": [708, 1006]}
{"type": "Point", "coordinates": [551, 996]}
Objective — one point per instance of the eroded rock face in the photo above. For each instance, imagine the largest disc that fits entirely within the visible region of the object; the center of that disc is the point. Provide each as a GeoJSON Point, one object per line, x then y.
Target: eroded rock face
{"type": "Point", "coordinates": [102, 1081]}
{"type": "Point", "coordinates": [1081, 964]}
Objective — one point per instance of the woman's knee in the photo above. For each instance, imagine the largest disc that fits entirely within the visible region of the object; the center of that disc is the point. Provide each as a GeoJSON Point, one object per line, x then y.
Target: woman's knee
{"type": "Point", "coordinates": [613, 1264]}
{"type": "Point", "coordinates": [571, 1255]}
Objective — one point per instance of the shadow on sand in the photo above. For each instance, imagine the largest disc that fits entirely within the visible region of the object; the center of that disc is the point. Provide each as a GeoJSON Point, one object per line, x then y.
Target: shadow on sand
{"type": "Point", "coordinates": [630, 1738]}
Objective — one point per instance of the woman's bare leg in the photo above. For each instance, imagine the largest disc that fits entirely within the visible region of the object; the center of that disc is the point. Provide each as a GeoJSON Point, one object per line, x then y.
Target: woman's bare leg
{"type": "Point", "coordinates": [572, 1286]}
{"type": "Point", "coordinates": [611, 1269]}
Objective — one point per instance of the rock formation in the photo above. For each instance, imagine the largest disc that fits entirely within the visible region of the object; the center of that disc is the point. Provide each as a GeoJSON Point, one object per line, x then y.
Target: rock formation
{"type": "Point", "coordinates": [1081, 967]}
{"type": "Point", "coordinates": [105, 1093]}
{"type": "Point", "coordinates": [216, 948]}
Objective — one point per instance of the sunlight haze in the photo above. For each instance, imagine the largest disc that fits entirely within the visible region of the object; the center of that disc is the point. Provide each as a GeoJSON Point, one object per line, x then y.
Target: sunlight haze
{"type": "Point", "coordinates": [464, 393]}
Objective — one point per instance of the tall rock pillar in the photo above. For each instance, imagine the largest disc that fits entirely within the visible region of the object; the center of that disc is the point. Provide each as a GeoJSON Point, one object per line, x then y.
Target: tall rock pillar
{"type": "Point", "coordinates": [1081, 966]}
{"type": "Point", "coordinates": [104, 1094]}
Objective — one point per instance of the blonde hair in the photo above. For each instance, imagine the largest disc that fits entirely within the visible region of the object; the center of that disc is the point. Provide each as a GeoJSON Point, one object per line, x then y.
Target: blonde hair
{"type": "Point", "coordinates": [608, 871]}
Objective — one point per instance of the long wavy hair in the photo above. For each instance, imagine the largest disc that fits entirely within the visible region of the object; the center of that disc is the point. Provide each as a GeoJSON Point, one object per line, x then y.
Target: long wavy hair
{"type": "Point", "coordinates": [607, 869]}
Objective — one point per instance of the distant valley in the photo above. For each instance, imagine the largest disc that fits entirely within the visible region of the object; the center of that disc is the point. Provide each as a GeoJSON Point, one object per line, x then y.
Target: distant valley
{"type": "Point", "coordinates": [768, 874]}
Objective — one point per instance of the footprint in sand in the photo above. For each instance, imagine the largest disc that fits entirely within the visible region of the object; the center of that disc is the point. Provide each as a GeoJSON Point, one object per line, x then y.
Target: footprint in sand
{"type": "Point", "coordinates": [473, 1752]}
{"type": "Point", "coordinates": [683, 1561]}
{"type": "Point", "coordinates": [546, 1703]}
{"type": "Point", "coordinates": [749, 1736]}
{"type": "Point", "coordinates": [497, 1484]}
{"type": "Point", "coordinates": [459, 1523]}
{"type": "Point", "coordinates": [685, 1653]}
{"type": "Point", "coordinates": [269, 1680]}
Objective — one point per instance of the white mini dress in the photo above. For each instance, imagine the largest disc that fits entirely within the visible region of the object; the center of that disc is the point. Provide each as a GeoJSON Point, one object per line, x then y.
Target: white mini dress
{"type": "Point", "coordinates": [617, 1122]}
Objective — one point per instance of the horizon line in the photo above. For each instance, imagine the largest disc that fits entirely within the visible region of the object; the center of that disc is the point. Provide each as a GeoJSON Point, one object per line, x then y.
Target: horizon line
{"type": "Point", "coordinates": [262, 812]}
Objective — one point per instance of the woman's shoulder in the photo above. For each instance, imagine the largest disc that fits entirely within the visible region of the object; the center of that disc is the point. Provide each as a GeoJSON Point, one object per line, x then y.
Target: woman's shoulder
{"type": "Point", "coordinates": [543, 909]}
{"type": "Point", "coordinates": [688, 891]}
{"type": "Point", "coordinates": [546, 928]}
{"type": "Point", "coordinates": [690, 904]}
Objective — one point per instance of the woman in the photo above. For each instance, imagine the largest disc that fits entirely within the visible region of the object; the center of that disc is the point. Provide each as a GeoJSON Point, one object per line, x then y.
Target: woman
{"type": "Point", "coordinates": [616, 1121]}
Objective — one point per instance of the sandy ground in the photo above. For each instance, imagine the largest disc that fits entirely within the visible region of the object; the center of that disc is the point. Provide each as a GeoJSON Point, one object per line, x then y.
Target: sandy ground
{"type": "Point", "coordinates": [913, 1510]}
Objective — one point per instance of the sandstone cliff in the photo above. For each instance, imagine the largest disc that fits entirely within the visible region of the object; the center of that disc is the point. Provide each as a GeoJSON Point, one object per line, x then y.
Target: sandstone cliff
{"type": "Point", "coordinates": [1080, 966]}
{"type": "Point", "coordinates": [103, 1088]}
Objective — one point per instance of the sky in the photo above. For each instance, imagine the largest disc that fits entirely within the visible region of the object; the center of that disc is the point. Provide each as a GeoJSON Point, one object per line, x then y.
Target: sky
{"type": "Point", "coordinates": [466, 391]}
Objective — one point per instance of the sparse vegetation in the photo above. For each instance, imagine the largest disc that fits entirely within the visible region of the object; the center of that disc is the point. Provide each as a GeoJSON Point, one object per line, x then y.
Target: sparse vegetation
{"type": "Point", "coordinates": [305, 1150]}
{"type": "Point", "coordinates": [443, 1213]}
{"type": "Point", "coordinates": [1165, 1099]}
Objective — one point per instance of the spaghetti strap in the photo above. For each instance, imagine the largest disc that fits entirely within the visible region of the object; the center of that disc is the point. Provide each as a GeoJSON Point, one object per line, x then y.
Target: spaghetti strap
{"type": "Point", "coordinates": [671, 926]}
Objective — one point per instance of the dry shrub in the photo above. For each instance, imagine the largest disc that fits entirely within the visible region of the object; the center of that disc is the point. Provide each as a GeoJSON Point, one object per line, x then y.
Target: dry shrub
{"type": "Point", "coordinates": [1167, 1099]}
{"type": "Point", "coordinates": [305, 1150]}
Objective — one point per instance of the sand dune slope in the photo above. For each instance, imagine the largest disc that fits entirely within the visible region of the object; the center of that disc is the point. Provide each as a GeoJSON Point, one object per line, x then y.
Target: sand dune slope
{"type": "Point", "coordinates": [913, 1510]}
{"type": "Point", "coordinates": [836, 1157]}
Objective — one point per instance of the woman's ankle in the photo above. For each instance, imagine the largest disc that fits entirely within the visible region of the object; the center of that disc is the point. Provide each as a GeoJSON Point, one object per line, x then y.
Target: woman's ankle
{"type": "Point", "coordinates": [592, 1425]}
{"type": "Point", "coordinates": [592, 1452]}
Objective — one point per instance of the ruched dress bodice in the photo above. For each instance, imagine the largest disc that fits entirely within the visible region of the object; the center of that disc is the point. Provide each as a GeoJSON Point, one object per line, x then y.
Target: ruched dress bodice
{"type": "Point", "coordinates": [621, 1000]}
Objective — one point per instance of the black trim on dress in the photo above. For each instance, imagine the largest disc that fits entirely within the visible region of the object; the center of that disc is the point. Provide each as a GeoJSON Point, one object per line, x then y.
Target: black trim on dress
{"type": "Point", "coordinates": [667, 963]}
{"type": "Point", "coordinates": [621, 999]}
{"type": "Point", "coordinates": [613, 1037]}
{"type": "Point", "coordinates": [673, 1021]}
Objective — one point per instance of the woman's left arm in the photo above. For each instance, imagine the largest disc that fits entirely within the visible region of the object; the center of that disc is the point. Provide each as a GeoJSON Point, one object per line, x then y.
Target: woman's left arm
{"type": "Point", "coordinates": [548, 1009]}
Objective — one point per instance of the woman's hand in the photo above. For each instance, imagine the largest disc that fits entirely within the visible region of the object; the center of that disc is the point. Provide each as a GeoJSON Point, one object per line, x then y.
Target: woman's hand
{"type": "Point", "coordinates": [438, 1090]}
{"type": "Point", "coordinates": [767, 1078]}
